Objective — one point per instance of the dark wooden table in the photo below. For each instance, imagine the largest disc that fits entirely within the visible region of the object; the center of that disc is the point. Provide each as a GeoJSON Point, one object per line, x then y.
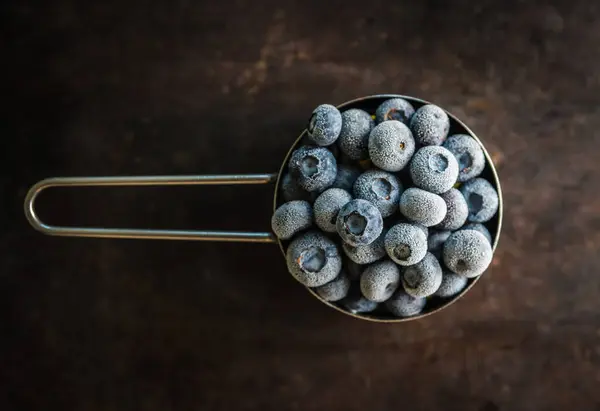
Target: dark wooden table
{"type": "Point", "coordinates": [183, 87]}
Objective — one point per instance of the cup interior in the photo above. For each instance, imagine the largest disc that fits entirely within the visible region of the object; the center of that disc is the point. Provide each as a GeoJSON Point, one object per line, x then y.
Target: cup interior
{"type": "Point", "coordinates": [435, 304]}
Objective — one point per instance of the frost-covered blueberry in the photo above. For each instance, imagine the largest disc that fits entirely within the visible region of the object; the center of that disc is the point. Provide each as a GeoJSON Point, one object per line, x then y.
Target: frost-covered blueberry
{"type": "Point", "coordinates": [457, 210]}
{"type": "Point", "coordinates": [313, 259]}
{"type": "Point", "coordinates": [345, 178]}
{"type": "Point", "coordinates": [394, 109]}
{"type": "Point", "coordinates": [291, 190]}
{"type": "Point", "coordinates": [380, 188]}
{"type": "Point", "coordinates": [354, 137]}
{"type": "Point", "coordinates": [479, 227]}
{"type": "Point", "coordinates": [436, 240]}
{"type": "Point", "coordinates": [482, 199]}
{"type": "Point", "coordinates": [452, 284]}
{"type": "Point", "coordinates": [368, 253]}
{"type": "Point", "coordinates": [406, 244]}
{"type": "Point", "coordinates": [424, 278]}
{"type": "Point", "coordinates": [391, 145]}
{"type": "Point", "coordinates": [467, 253]}
{"type": "Point", "coordinates": [468, 153]}
{"type": "Point", "coordinates": [356, 303]}
{"type": "Point", "coordinates": [328, 205]}
{"type": "Point", "coordinates": [434, 169]}
{"type": "Point", "coordinates": [324, 125]}
{"type": "Point", "coordinates": [334, 290]}
{"type": "Point", "coordinates": [315, 168]}
{"type": "Point", "coordinates": [291, 218]}
{"type": "Point", "coordinates": [422, 206]}
{"type": "Point", "coordinates": [430, 125]}
{"type": "Point", "coordinates": [359, 223]}
{"type": "Point", "coordinates": [380, 280]}
{"type": "Point", "coordinates": [402, 304]}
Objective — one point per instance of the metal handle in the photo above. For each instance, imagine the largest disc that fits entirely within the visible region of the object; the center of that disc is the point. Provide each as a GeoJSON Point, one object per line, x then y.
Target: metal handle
{"type": "Point", "coordinates": [232, 236]}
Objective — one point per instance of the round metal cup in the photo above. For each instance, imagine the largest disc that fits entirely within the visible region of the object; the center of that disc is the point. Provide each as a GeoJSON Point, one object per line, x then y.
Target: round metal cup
{"type": "Point", "coordinates": [436, 304]}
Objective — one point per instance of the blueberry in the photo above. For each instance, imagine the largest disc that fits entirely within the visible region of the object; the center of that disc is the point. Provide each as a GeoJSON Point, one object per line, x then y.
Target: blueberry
{"type": "Point", "coordinates": [345, 178]}
{"type": "Point", "coordinates": [391, 145]}
{"type": "Point", "coordinates": [353, 270]}
{"type": "Point", "coordinates": [402, 304]}
{"type": "Point", "coordinates": [434, 169]}
{"type": "Point", "coordinates": [334, 290]}
{"type": "Point", "coordinates": [291, 190]}
{"type": "Point", "coordinates": [430, 125]}
{"type": "Point", "coordinates": [315, 168]}
{"type": "Point", "coordinates": [424, 278]}
{"type": "Point", "coordinates": [406, 244]}
{"type": "Point", "coordinates": [290, 218]}
{"type": "Point", "coordinates": [436, 240]}
{"type": "Point", "coordinates": [324, 125]}
{"type": "Point", "coordinates": [368, 253]}
{"type": "Point", "coordinates": [313, 259]}
{"type": "Point", "coordinates": [394, 109]}
{"type": "Point", "coordinates": [422, 206]}
{"type": "Point", "coordinates": [328, 205]}
{"type": "Point", "coordinates": [482, 200]}
{"type": "Point", "coordinates": [467, 253]}
{"type": "Point", "coordinates": [359, 223]}
{"type": "Point", "coordinates": [380, 188]}
{"type": "Point", "coordinates": [354, 137]}
{"type": "Point", "coordinates": [452, 284]}
{"type": "Point", "coordinates": [481, 228]}
{"type": "Point", "coordinates": [379, 280]}
{"type": "Point", "coordinates": [468, 153]}
{"type": "Point", "coordinates": [356, 303]}
{"type": "Point", "coordinates": [457, 210]}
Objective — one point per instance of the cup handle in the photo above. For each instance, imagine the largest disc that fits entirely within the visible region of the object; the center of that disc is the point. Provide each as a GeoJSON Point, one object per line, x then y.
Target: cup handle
{"type": "Point", "coordinates": [66, 231]}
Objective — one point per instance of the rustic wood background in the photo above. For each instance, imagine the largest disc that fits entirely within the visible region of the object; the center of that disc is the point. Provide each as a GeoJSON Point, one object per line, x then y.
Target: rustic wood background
{"type": "Point", "coordinates": [141, 87]}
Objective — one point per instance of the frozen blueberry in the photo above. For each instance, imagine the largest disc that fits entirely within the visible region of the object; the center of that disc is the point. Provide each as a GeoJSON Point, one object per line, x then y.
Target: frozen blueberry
{"type": "Point", "coordinates": [481, 228]}
{"type": "Point", "coordinates": [451, 285]}
{"type": "Point", "coordinates": [368, 253]}
{"type": "Point", "coordinates": [379, 280]}
{"type": "Point", "coordinates": [315, 168]}
{"type": "Point", "coordinates": [291, 190]}
{"type": "Point", "coordinates": [394, 109]}
{"type": "Point", "coordinates": [328, 205]}
{"type": "Point", "coordinates": [436, 240]}
{"type": "Point", "coordinates": [422, 206]}
{"type": "Point", "coordinates": [354, 137]}
{"type": "Point", "coordinates": [402, 304]}
{"type": "Point", "coordinates": [469, 155]}
{"type": "Point", "coordinates": [345, 178]}
{"type": "Point", "coordinates": [430, 125]}
{"type": "Point", "coordinates": [356, 303]}
{"type": "Point", "coordinates": [467, 253]}
{"type": "Point", "coordinates": [457, 210]}
{"type": "Point", "coordinates": [406, 244]}
{"type": "Point", "coordinates": [380, 188]}
{"type": "Point", "coordinates": [324, 125]}
{"type": "Point", "coordinates": [359, 223]}
{"type": "Point", "coordinates": [391, 145]}
{"type": "Point", "coordinates": [424, 278]}
{"type": "Point", "coordinates": [482, 200]}
{"type": "Point", "coordinates": [291, 218]}
{"type": "Point", "coordinates": [353, 270]}
{"type": "Point", "coordinates": [334, 290]}
{"type": "Point", "coordinates": [313, 259]}
{"type": "Point", "coordinates": [434, 169]}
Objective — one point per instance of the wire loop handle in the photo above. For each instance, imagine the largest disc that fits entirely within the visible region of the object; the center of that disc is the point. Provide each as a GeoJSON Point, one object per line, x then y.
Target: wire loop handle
{"type": "Point", "coordinates": [226, 236]}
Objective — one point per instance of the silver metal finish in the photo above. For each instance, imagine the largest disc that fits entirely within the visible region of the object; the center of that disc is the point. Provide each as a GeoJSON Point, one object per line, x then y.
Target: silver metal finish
{"type": "Point", "coordinates": [228, 236]}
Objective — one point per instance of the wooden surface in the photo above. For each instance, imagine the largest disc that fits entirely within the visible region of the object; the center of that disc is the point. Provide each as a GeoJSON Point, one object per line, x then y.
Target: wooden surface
{"type": "Point", "coordinates": [181, 87]}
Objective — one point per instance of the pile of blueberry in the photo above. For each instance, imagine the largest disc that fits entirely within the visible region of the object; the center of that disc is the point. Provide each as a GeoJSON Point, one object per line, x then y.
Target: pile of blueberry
{"type": "Point", "coordinates": [385, 213]}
